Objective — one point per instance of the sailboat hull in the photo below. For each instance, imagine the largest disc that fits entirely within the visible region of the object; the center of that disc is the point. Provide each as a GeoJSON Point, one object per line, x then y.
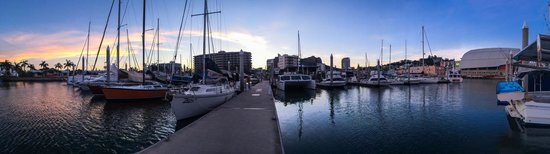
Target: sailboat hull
{"type": "Point", "coordinates": [124, 93]}
{"type": "Point", "coordinates": [186, 106]}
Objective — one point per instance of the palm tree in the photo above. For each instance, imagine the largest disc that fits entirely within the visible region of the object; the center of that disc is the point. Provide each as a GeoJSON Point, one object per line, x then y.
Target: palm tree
{"type": "Point", "coordinates": [44, 65]}
{"type": "Point", "coordinates": [31, 66]}
{"type": "Point", "coordinates": [68, 64]}
{"type": "Point", "coordinates": [6, 66]}
{"type": "Point", "coordinates": [58, 66]}
{"type": "Point", "coordinates": [24, 64]}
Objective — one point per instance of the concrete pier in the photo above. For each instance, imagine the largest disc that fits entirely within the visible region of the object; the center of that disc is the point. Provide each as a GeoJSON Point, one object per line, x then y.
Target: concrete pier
{"type": "Point", "coordinates": [246, 124]}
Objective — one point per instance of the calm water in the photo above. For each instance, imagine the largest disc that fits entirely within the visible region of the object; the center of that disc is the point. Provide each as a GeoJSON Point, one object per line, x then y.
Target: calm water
{"type": "Point", "coordinates": [54, 118]}
{"type": "Point", "coordinates": [440, 118]}
{"type": "Point", "coordinates": [437, 118]}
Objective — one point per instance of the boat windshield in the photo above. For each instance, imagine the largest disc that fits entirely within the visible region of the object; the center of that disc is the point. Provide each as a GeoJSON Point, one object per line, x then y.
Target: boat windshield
{"type": "Point", "coordinates": [285, 77]}
{"type": "Point", "coordinates": [295, 77]}
{"type": "Point", "coordinates": [194, 89]}
{"type": "Point", "coordinates": [305, 77]}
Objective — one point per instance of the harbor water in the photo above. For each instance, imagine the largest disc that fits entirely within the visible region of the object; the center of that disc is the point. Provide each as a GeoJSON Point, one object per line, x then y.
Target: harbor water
{"type": "Point", "coordinates": [430, 118]}
{"type": "Point", "coordinates": [51, 117]}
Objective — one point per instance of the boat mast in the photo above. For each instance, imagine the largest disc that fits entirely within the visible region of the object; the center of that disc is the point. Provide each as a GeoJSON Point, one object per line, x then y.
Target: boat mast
{"type": "Point", "coordinates": [118, 37]}
{"type": "Point", "coordinates": [423, 50]}
{"type": "Point", "coordinates": [204, 42]}
{"type": "Point", "coordinates": [143, 42]}
{"type": "Point", "coordinates": [158, 44]}
{"type": "Point", "coordinates": [88, 45]}
{"type": "Point", "coordinates": [408, 66]}
{"type": "Point", "coordinates": [300, 53]}
{"type": "Point", "coordinates": [128, 46]}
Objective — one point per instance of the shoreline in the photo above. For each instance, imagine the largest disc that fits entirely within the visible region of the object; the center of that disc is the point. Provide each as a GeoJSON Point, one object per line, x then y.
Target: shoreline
{"type": "Point", "coordinates": [38, 79]}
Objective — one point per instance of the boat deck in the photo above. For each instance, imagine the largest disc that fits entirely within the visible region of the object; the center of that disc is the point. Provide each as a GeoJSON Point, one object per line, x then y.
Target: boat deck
{"type": "Point", "coordinates": [246, 124]}
{"type": "Point", "coordinates": [540, 96]}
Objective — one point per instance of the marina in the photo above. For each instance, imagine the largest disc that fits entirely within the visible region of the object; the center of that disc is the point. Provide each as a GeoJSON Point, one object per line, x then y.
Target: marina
{"type": "Point", "coordinates": [212, 76]}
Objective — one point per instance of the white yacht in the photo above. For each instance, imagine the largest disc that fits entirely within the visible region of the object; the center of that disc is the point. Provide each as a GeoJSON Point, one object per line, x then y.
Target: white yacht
{"type": "Point", "coordinates": [333, 79]}
{"type": "Point", "coordinates": [291, 81]}
{"type": "Point", "coordinates": [376, 80]}
{"type": "Point", "coordinates": [428, 80]}
{"type": "Point", "coordinates": [454, 76]}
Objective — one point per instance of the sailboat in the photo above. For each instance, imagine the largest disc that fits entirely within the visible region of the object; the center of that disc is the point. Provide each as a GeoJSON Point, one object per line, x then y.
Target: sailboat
{"type": "Point", "coordinates": [145, 90]}
{"type": "Point", "coordinates": [426, 79]}
{"type": "Point", "coordinates": [201, 98]}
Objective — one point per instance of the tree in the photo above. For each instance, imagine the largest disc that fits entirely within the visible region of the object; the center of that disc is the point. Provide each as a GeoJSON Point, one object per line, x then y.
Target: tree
{"type": "Point", "coordinates": [6, 66]}
{"type": "Point", "coordinates": [24, 64]}
{"type": "Point", "coordinates": [31, 66]}
{"type": "Point", "coordinates": [58, 66]}
{"type": "Point", "coordinates": [44, 65]}
{"type": "Point", "coordinates": [68, 64]}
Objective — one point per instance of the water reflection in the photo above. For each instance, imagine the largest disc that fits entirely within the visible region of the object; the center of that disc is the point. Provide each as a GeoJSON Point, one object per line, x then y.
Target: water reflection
{"type": "Point", "coordinates": [415, 119]}
{"type": "Point", "coordinates": [51, 117]}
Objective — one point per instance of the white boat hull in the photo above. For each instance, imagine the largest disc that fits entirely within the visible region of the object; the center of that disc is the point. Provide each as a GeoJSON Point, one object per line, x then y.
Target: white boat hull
{"type": "Point", "coordinates": [283, 85]}
{"type": "Point", "coordinates": [332, 84]}
{"type": "Point", "coordinates": [186, 106]}
{"type": "Point", "coordinates": [429, 80]}
{"type": "Point", "coordinates": [531, 113]}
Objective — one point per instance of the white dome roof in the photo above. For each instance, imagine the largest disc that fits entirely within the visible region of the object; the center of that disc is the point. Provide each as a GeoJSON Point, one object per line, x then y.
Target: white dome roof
{"type": "Point", "coordinates": [486, 57]}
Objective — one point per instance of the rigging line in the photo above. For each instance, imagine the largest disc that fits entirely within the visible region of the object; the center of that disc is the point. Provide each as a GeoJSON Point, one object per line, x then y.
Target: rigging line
{"type": "Point", "coordinates": [179, 32]}
{"type": "Point", "coordinates": [427, 41]}
{"type": "Point", "coordinates": [210, 39]}
{"type": "Point", "coordinates": [103, 36]}
{"type": "Point", "coordinates": [125, 9]}
{"type": "Point", "coordinates": [82, 52]}
{"type": "Point", "coordinates": [152, 48]}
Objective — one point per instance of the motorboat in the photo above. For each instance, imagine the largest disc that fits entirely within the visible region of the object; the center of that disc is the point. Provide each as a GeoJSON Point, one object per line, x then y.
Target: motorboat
{"type": "Point", "coordinates": [528, 94]}
{"type": "Point", "coordinates": [376, 80]}
{"type": "Point", "coordinates": [454, 76]}
{"type": "Point", "coordinates": [333, 79]}
{"type": "Point", "coordinates": [429, 80]}
{"type": "Point", "coordinates": [295, 81]}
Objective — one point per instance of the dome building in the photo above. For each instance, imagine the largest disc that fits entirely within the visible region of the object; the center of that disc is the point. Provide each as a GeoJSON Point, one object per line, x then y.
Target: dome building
{"type": "Point", "coordinates": [486, 63]}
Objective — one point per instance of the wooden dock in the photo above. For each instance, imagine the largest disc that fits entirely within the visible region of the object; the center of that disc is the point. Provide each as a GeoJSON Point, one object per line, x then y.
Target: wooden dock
{"type": "Point", "coordinates": [248, 123]}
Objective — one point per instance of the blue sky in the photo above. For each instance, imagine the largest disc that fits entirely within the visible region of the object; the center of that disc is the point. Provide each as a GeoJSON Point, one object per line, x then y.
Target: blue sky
{"type": "Point", "coordinates": [55, 30]}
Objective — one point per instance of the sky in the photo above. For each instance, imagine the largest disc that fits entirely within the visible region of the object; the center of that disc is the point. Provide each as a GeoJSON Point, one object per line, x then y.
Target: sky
{"type": "Point", "coordinates": [55, 30]}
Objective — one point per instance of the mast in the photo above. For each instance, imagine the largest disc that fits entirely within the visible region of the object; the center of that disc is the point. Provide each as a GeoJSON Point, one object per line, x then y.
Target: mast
{"type": "Point", "coordinates": [204, 42]}
{"type": "Point", "coordinates": [390, 58]}
{"type": "Point", "coordinates": [88, 45]}
{"type": "Point", "coordinates": [143, 42]}
{"type": "Point", "coordinates": [300, 52]}
{"type": "Point", "coordinates": [128, 46]}
{"type": "Point", "coordinates": [158, 44]}
{"type": "Point", "coordinates": [118, 37]}
{"type": "Point", "coordinates": [382, 53]}
{"type": "Point", "coordinates": [423, 50]}
{"type": "Point", "coordinates": [408, 66]}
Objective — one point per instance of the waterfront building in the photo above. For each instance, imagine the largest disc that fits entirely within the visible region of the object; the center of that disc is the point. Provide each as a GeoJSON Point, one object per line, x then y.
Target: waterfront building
{"type": "Point", "coordinates": [485, 62]}
{"type": "Point", "coordinates": [166, 67]}
{"type": "Point", "coordinates": [287, 62]}
{"type": "Point", "coordinates": [345, 63]}
{"type": "Point", "coordinates": [224, 59]}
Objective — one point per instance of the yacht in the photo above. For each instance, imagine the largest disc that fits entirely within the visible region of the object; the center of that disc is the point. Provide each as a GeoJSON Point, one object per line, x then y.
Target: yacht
{"type": "Point", "coordinates": [295, 81]}
{"type": "Point", "coordinates": [454, 76]}
{"type": "Point", "coordinates": [147, 90]}
{"type": "Point", "coordinates": [376, 80]}
{"type": "Point", "coordinates": [428, 80]}
{"type": "Point", "coordinates": [333, 79]}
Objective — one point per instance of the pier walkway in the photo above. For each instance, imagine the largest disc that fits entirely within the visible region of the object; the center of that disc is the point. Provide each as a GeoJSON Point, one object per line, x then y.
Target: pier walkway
{"type": "Point", "coordinates": [245, 124]}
